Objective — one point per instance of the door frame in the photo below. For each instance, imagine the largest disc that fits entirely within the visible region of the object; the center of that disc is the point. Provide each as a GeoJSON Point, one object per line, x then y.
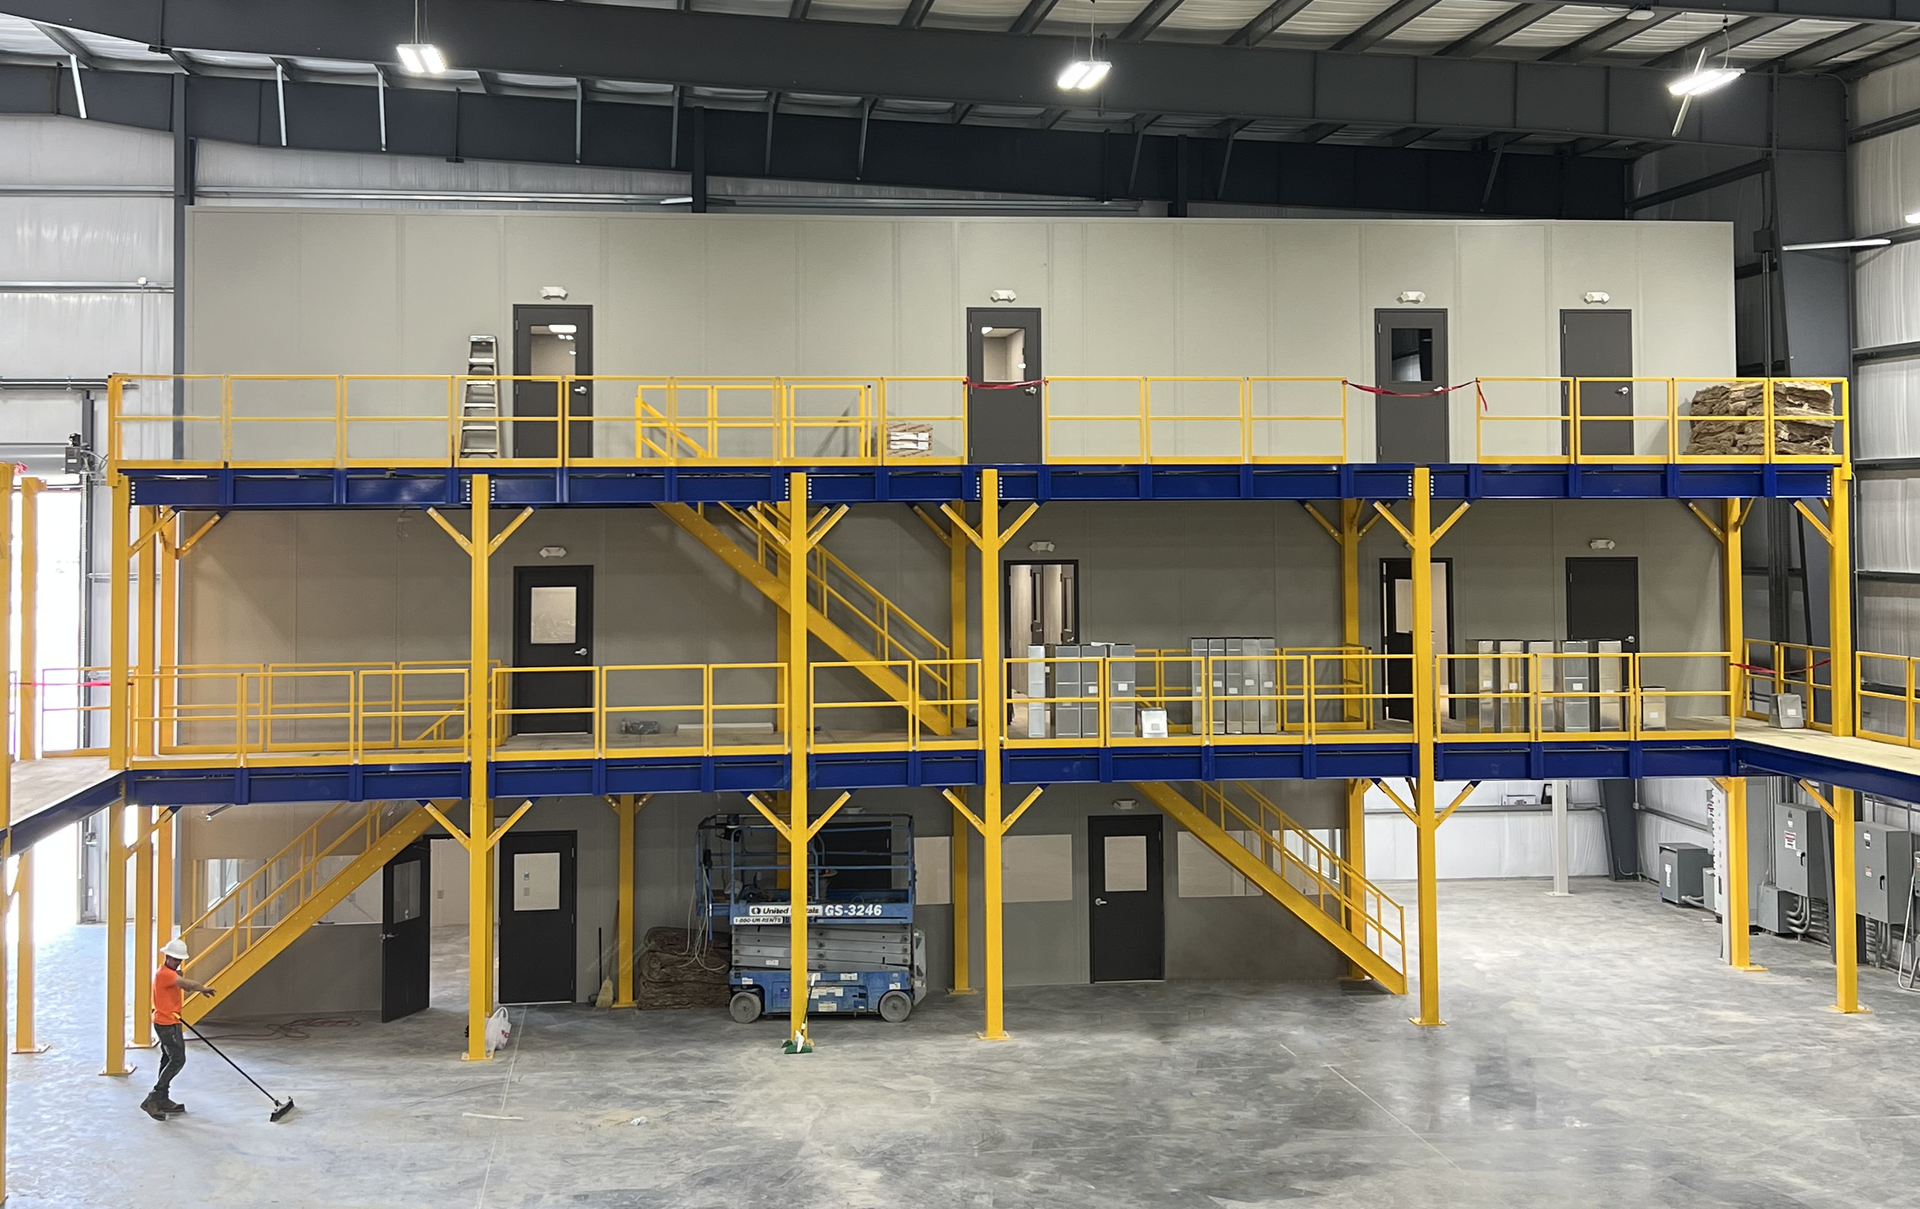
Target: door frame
{"type": "Point", "coordinates": [1006, 590]}
{"type": "Point", "coordinates": [1566, 391]}
{"type": "Point", "coordinates": [526, 315]}
{"type": "Point", "coordinates": [1383, 317]}
{"type": "Point", "coordinates": [521, 619]}
{"type": "Point", "coordinates": [421, 851]}
{"type": "Point", "coordinates": [569, 904]}
{"type": "Point", "coordinates": [1156, 879]}
{"type": "Point", "coordinates": [1445, 671]}
{"type": "Point", "coordinates": [1031, 318]}
{"type": "Point", "coordinates": [1631, 641]}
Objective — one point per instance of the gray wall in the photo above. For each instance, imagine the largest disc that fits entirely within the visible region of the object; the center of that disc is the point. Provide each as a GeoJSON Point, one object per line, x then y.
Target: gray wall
{"type": "Point", "coordinates": [285, 291]}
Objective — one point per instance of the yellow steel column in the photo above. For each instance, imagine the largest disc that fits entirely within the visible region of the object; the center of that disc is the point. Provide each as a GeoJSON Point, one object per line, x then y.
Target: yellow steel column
{"type": "Point", "coordinates": [143, 928]}
{"type": "Point", "coordinates": [6, 763]}
{"type": "Point", "coordinates": [626, 808]}
{"type": "Point", "coordinates": [163, 878]}
{"type": "Point", "coordinates": [29, 749]}
{"type": "Point", "coordinates": [28, 703]}
{"type": "Point", "coordinates": [143, 631]}
{"type": "Point", "coordinates": [1357, 861]}
{"type": "Point", "coordinates": [1740, 953]}
{"type": "Point", "coordinates": [479, 801]}
{"type": "Point", "coordinates": [1350, 532]}
{"type": "Point", "coordinates": [993, 717]}
{"type": "Point", "coordinates": [1845, 924]}
{"type": "Point", "coordinates": [1426, 825]}
{"type": "Point", "coordinates": [119, 696]}
{"type": "Point", "coordinates": [799, 736]}
{"type": "Point", "coordinates": [1840, 607]}
{"type": "Point", "coordinates": [962, 896]}
{"type": "Point", "coordinates": [167, 643]}
{"type": "Point", "coordinates": [116, 914]}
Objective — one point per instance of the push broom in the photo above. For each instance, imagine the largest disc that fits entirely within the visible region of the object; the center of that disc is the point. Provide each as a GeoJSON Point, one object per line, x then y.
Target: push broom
{"type": "Point", "coordinates": [280, 1107]}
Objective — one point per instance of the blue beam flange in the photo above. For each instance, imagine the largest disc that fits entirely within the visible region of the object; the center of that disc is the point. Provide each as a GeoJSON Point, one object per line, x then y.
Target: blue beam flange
{"type": "Point", "coordinates": [439, 487]}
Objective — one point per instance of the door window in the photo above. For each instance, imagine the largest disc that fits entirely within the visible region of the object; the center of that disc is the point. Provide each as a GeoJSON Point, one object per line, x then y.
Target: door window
{"type": "Point", "coordinates": [551, 614]}
{"type": "Point", "coordinates": [1411, 350]}
{"type": "Point", "coordinates": [406, 892]}
{"type": "Point", "coordinates": [1126, 864]}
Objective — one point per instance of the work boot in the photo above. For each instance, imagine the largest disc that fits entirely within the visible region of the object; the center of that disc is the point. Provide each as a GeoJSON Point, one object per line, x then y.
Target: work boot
{"type": "Point", "coordinates": [151, 1106]}
{"type": "Point", "coordinates": [170, 1108]}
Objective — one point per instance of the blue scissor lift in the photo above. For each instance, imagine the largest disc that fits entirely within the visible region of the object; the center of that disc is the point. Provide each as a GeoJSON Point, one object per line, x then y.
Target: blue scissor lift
{"type": "Point", "coordinates": [863, 952]}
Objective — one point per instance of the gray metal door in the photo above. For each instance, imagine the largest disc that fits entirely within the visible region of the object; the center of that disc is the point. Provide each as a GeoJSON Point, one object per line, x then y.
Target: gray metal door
{"type": "Point", "coordinates": [1004, 422]}
{"type": "Point", "coordinates": [1599, 345]}
{"type": "Point", "coordinates": [1410, 362]}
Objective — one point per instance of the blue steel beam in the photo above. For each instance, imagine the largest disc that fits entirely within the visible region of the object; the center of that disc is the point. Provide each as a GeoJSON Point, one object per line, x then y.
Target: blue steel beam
{"type": "Point", "coordinates": [428, 487]}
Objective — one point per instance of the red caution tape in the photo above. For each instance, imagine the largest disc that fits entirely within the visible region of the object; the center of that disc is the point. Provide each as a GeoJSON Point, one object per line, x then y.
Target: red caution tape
{"type": "Point", "coordinates": [970, 384]}
{"type": "Point", "coordinates": [1479, 394]}
{"type": "Point", "coordinates": [1750, 667]}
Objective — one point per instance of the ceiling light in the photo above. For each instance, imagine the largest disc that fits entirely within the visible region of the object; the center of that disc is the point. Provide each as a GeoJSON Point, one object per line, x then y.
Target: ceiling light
{"type": "Point", "coordinates": [1703, 80]}
{"type": "Point", "coordinates": [1639, 14]}
{"type": "Point", "coordinates": [1084, 75]}
{"type": "Point", "coordinates": [1913, 219]}
{"type": "Point", "coordinates": [1878, 242]}
{"type": "Point", "coordinates": [422, 59]}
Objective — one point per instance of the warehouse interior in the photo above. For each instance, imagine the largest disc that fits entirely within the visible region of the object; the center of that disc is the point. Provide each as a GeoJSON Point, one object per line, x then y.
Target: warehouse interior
{"type": "Point", "coordinates": [1295, 601]}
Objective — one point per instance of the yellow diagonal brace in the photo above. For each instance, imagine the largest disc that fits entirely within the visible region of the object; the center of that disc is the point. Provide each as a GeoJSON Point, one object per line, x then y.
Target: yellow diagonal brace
{"type": "Point", "coordinates": [162, 519]}
{"type": "Point", "coordinates": [493, 547]}
{"type": "Point", "coordinates": [823, 526]}
{"type": "Point", "coordinates": [459, 836]}
{"type": "Point", "coordinates": [1368, 527]}
{"type": "Point", "coordinates": [771, 817]}
{"type": "Point", "coordinates": [973, 535]}
{"type": "Point", "coordinates": [1021, 809]}
{"type": "Point", "coordinates": [961, 806]}
{"type": "Point", "coordinates": [946, 538]}
{"type": "Point", "coordinates": [1315, 514]}
{"type": "Point", "coordinates": [1006, 534]}
{"type": "Point", "coordinates": [197, 535]}
{"type": "Point", "coordinates": [1817, 796]}
{"type": "Point", "coordinates": [1719, 534]}
{"type": "Point", "coordinates": [814, 827]}
{"type": "Point", "coordinates": [494, 837]}
{"type": "Point", "coordinates": [458, 537]}
{"type": "Point", "coordinates": [1440, 530]}
{"type": "Point", "coordinates": [1744, 510]}
{"type": "Point", "coordinates": [639, 802]}
{"type": "Point", "coordinates": [1800, 506]}
{"type": "Point", "coordinates": [1393, 797]}
{"type": "Point", "coordinates": [1454, 805]}
{"type": "Point", "coordinates": [1391, 519]}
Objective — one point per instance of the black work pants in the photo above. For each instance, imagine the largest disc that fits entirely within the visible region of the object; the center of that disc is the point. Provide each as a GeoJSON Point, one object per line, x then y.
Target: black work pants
{"type": "Point", "coordinates": [173, 1056]}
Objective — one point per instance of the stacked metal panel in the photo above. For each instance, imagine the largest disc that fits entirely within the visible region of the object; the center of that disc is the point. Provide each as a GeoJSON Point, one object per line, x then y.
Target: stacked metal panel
{"type": "Point", "coordinates": [1063, 685]}
{"type": "Point", "coordinates": [829, 946]}
{"type": "Point", "coordinates": [1244, 679]}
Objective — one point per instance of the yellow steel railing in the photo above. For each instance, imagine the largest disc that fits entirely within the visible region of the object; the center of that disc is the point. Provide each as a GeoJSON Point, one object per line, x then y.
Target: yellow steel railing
{"type": "Point", "coordinates": [398, 420]}
{"type": "Point", "coordinates": [290, 714]}
{"type": "Point", "coordinates": [1771, 668]}
{"type": "Point", "coordinates": [1887, 692]}
{"type": "Point", "coordinates": [1309, 866]}
{"type": "Point", "coordinates": [68, 700]}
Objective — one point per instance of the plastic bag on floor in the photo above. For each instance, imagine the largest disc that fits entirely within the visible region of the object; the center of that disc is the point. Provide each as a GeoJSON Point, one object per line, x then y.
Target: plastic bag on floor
{"type": "Point", "coordinates": [498, 1029]}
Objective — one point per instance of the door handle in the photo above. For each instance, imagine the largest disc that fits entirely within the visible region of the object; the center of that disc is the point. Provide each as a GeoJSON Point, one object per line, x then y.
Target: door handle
{"type": "Point", "coordinates": [1099, 902]}
{"type": "Point", "coordinates": [1033, 390]}
{"type": "Point", "coordinates": [1623, 390]}
{"type": "Point", "coordinates": [387, 935]}
{"type": "Point", "coordinates": [581, 651]}
{"type": "Point", "coordinates": [581, 390]}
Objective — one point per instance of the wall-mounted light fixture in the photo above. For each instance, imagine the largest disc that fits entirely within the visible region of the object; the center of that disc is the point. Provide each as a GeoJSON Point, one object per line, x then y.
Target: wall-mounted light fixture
{"type": "Point", "coordinates": [1040, 547]}
{"type": "Point", "coordinates": [558, 292]}
{"type": "Point", "coordinates": [1002, 296]}
{"type": "Point", "coordinates": [1600, 543]}
{"type": "Point", "coordinates": [1596, 298]}
{"type": "Point", "coordinates": [553, 552]}
{"type": "Point", "coordinates": [1413, 297]}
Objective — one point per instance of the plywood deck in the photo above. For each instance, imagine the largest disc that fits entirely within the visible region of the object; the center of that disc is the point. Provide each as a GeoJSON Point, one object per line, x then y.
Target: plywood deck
{"type": "Point", "coordinates": [1902, 760]}
{"type": "Point", "coordinates": [40, 784]}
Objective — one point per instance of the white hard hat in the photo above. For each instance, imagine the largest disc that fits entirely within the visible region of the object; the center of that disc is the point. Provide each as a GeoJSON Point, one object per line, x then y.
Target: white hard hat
{"type": "Point", "coordinates": [176, 949]}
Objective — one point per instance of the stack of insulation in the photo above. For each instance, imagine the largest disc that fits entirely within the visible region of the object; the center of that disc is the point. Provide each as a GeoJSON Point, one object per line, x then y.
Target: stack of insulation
{"type": "Point", "coordinates": [1802, 419]}
{"type": "Point", "coordinates": [682, 969]}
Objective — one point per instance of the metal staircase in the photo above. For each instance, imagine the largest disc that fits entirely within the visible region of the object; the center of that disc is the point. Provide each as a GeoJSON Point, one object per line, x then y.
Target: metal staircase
{"type": "Point", "coordinates": [254, 922]}
{"type": "Point", "coordinates": [844, 611]}
{"type": "Point", "coordinates": [1290, 865]}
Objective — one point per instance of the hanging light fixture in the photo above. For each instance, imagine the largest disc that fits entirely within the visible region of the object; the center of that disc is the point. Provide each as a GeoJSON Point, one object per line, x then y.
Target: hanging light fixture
{"type": "Point", "coordinates": [1084, 75]}
{"type": "Point", "coordinates": [420, 57]}
{"type": "Point", "coordinates": [1703, 79]}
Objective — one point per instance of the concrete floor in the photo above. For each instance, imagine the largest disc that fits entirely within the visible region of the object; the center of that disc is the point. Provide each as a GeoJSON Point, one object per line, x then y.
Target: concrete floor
{"type": "Point", "coordinates": [1598, 1056]}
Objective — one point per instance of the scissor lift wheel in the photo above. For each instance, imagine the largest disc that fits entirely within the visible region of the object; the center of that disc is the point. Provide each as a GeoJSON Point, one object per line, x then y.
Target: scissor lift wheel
{"type": "Point", "coordinates": [895, 1006]}
{"type": "Point", "coordinates": [745, 1007]}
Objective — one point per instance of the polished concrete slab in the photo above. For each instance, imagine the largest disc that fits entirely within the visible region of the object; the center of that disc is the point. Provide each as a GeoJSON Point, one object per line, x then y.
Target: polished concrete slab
{"type": "Point", "coordinates": [1598, 1055]}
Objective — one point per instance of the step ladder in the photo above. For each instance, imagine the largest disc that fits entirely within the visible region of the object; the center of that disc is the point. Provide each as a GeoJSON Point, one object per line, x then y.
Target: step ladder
{"type": "Point", "coordinates": [480, 400]}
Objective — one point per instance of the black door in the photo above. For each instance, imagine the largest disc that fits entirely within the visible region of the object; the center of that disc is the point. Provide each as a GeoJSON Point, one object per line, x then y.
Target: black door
{"type": "Point", "coordinates": [1396, 629]}
{"type": "Point", "coordinates": [1410, 359]}
{"type": "Point", "coordinates": [1004, 424]}
{"type": "Point", "coordinates": [553, 628]}
{"type": "Point", "coordinates": [406, 932]}
{"type": "Point", "coordinates": [537, 894]}
{"type": "Point", "coordinates": [552, 342]}
{"type": "Point", "coordinates": [1603, 600]}
{"type": "Point", "coordinates": [1125, 876]}
{"type": "Point", "coordinates": [1599, 344]}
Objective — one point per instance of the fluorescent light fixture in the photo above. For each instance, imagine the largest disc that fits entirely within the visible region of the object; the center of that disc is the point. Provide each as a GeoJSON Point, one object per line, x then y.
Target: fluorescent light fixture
{"type": "Point", "coordinates": [1703, 80]}
{"type": "Point", "coordinates": [422, 59]}
{"type": "Point", "coordinates": [1841, 243]}
{"type": "Point", "coordinates": [1084, 75]}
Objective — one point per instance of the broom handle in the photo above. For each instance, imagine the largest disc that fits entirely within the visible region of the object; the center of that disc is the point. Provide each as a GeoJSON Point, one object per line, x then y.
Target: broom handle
{"type": "Point", "coordinates": [230, 1062]}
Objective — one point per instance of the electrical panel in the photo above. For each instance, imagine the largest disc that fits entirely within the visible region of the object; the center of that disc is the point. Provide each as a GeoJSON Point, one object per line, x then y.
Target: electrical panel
{"type": "Point", "coordinates": [1883, 871]}
{"type": "Point", "coordinates": [1683, 872]}
{"type": "Point", "coordinates": [1794, 840]}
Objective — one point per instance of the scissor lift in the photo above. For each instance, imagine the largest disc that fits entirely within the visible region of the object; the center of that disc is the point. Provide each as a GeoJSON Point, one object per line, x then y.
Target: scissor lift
{"type": "Point", "coordinates": [863, 953]}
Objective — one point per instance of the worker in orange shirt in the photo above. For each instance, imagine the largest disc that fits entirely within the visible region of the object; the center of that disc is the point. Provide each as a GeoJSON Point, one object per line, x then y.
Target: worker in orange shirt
{"type": "Point", "coordinates": [169, 990]}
